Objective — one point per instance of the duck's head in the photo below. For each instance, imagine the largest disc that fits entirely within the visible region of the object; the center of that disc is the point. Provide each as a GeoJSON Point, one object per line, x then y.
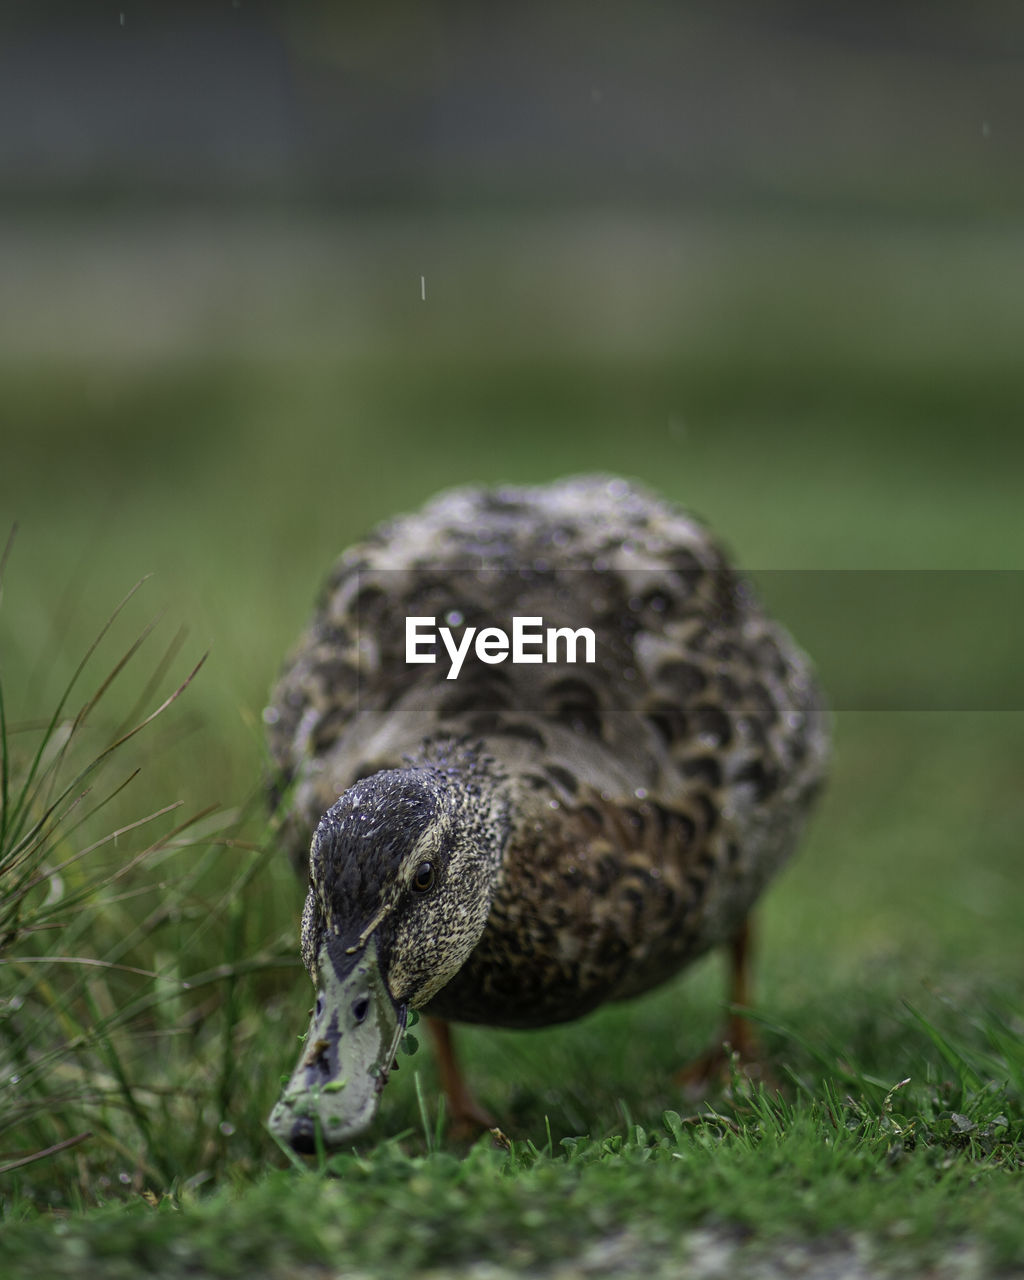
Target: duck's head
{"type": "Point", "coordinates": [401, 875]}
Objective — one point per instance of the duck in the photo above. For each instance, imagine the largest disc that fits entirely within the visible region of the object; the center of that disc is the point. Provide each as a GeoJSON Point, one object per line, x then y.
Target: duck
{"type": "Point", "coordinates": [544, 827]}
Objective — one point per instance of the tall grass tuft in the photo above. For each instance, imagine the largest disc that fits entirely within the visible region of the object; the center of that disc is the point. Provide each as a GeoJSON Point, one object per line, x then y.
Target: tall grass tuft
{"type": "Point", "coordinates": [119, 1033]}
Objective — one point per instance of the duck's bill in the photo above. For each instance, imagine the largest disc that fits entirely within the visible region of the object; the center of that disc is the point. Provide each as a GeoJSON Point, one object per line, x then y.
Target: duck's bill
{"type": "Point", "coordinates": [348, 1052]}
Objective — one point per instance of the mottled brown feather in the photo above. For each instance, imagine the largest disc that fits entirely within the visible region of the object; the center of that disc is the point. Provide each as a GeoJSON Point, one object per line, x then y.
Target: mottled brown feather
{"type": "Point", "coordinates": [651, 795]}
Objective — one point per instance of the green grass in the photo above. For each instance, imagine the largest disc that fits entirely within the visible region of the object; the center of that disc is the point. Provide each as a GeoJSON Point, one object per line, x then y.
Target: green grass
{"type": "Point", "coordinates": [150, 993]}
{"type": "Point", "coordinates": [908, 1171]}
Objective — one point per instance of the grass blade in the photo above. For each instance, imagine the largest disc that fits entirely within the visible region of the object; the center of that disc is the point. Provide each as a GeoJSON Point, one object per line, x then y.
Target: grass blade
{"type": "Point", "coordinates": [28, 789]}
{"type": "Point", "coordinates": [66, 1145]}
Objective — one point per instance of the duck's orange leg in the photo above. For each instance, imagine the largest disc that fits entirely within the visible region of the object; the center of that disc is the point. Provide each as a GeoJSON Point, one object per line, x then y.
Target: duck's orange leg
{"type": "Point", "coordinates": [737, 1035]}
{"type": "Point", "coordinates": [466, 1116]}
{"type": "Point", "coordinates": [738, 1031]}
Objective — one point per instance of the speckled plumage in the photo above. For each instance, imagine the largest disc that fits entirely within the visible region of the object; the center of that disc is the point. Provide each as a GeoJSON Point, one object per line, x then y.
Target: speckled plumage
{"type": "Point", "coordinates": [635, 809]}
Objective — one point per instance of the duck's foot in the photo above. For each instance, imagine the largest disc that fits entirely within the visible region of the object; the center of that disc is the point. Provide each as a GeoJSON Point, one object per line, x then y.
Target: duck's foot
{"type": "Point", "coordinates": [469, 1121]}
{"type": "Point", "coordinates": [467, 1118]}
{"type": "Point", "coordinates": [725, 1067]}
{"type": "Point", "coordinates": [735, 1060]}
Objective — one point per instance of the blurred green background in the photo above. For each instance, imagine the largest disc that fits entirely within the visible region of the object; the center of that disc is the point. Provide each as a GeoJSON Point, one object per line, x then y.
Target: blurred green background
{"type": "Point", "coordinates": [269, 277]}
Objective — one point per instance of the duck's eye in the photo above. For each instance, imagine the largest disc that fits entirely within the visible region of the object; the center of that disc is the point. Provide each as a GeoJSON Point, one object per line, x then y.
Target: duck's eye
{"type": "Point", "coordinates": [424, 877]}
